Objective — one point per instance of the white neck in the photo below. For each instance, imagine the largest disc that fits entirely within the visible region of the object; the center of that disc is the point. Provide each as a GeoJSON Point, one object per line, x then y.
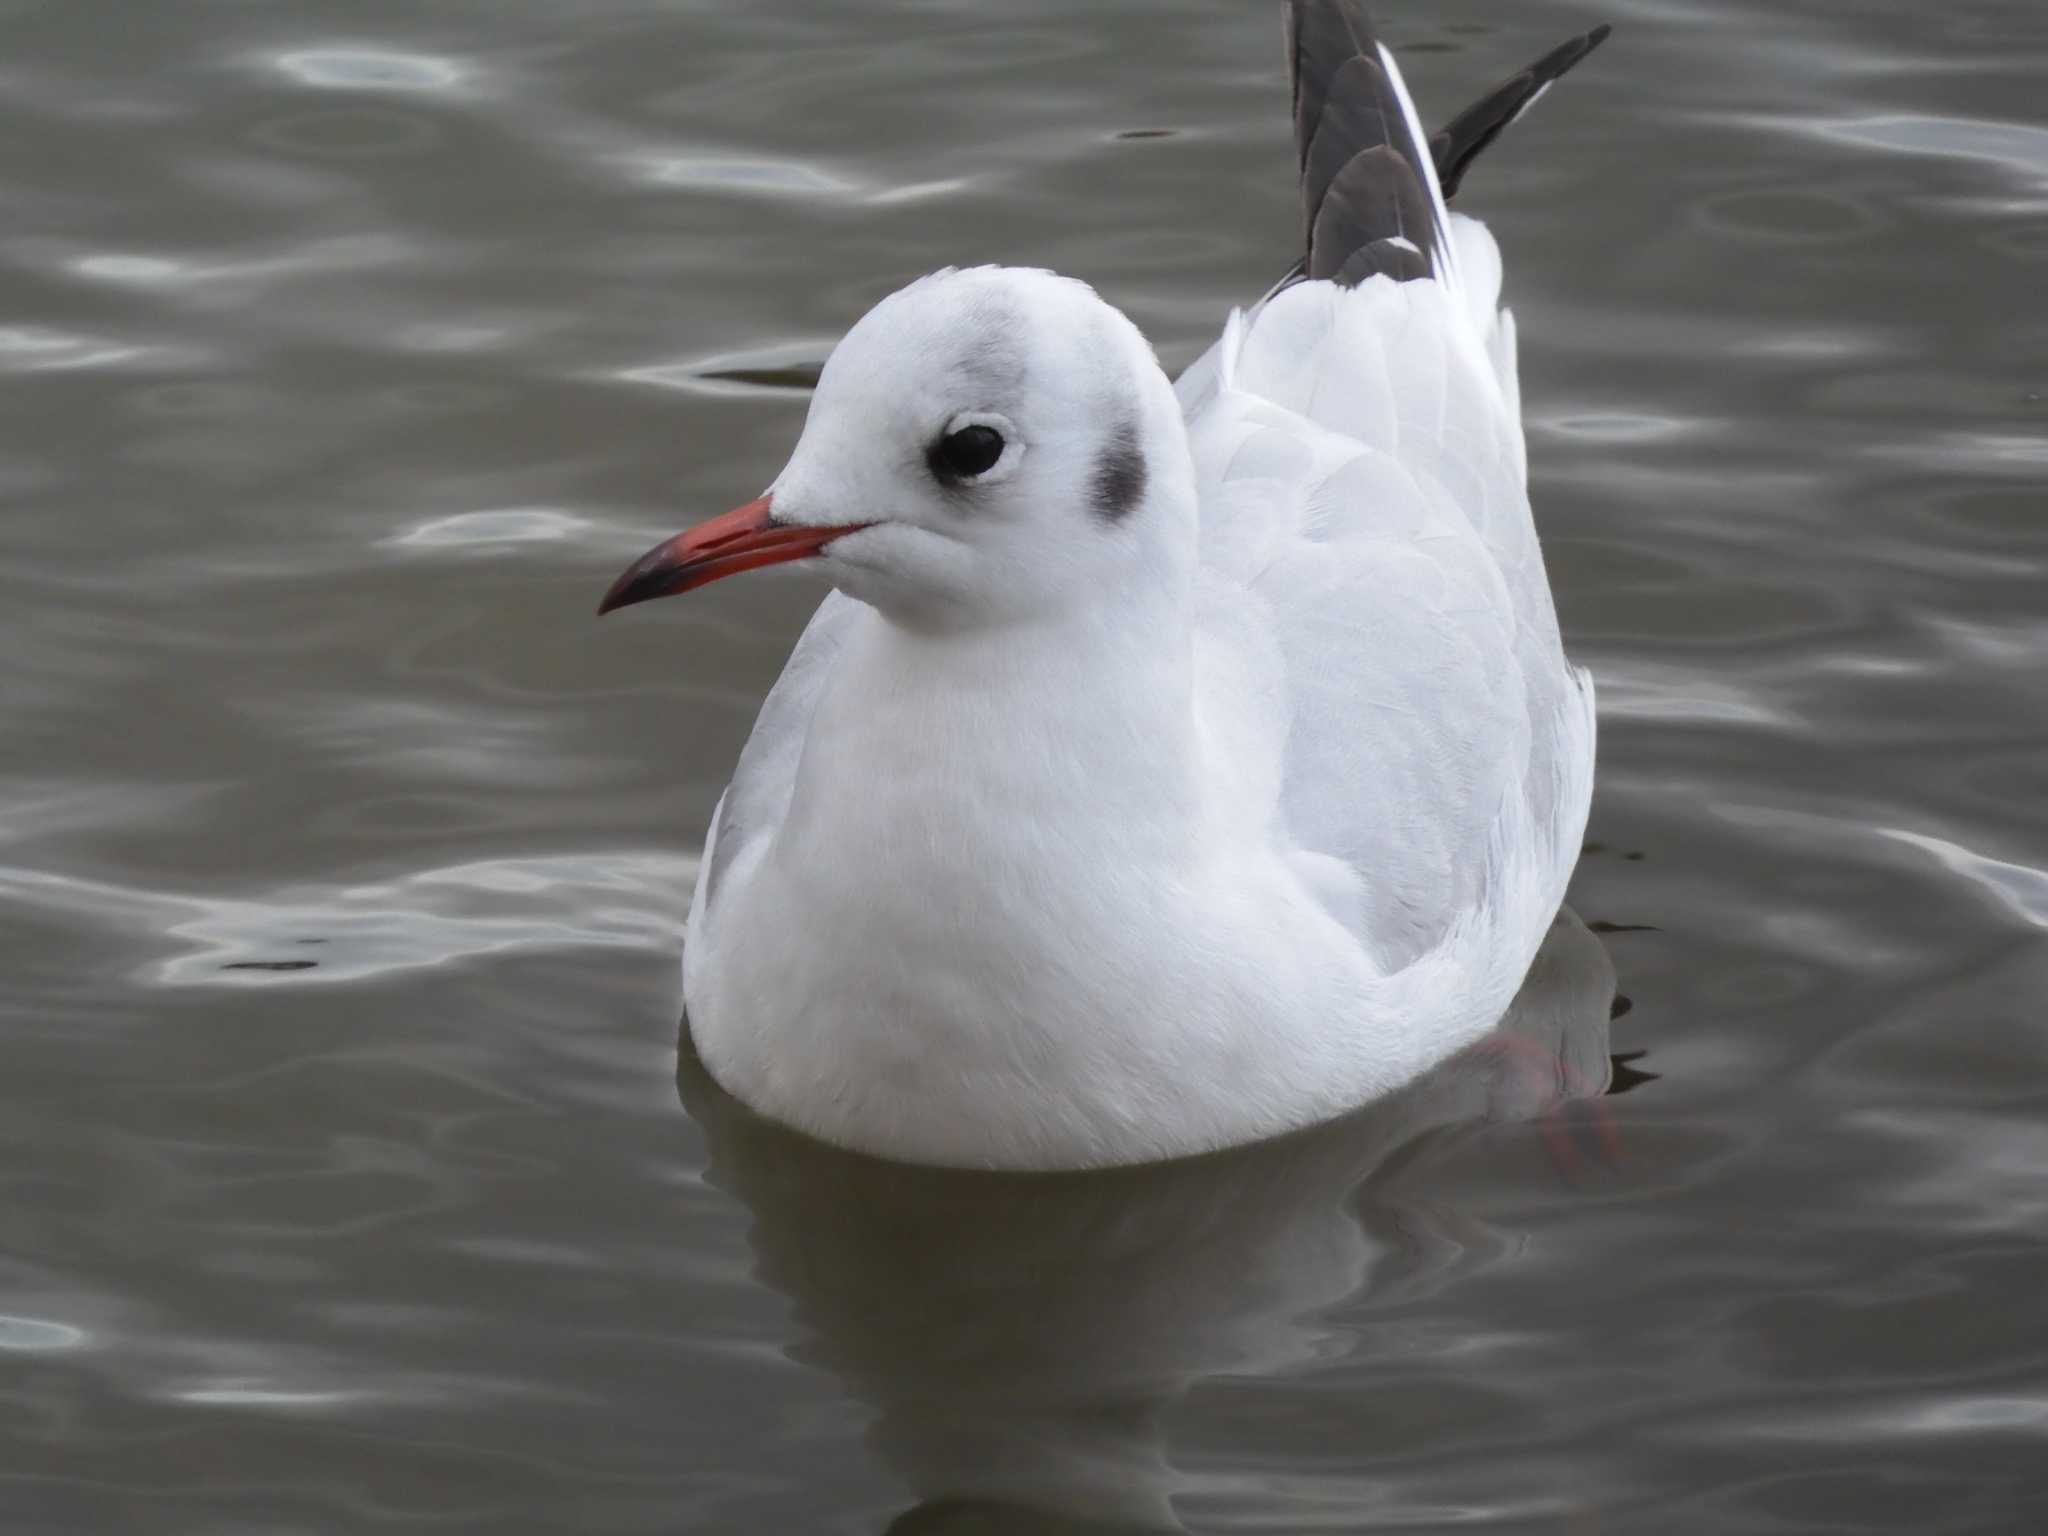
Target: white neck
{"type": "Point", "coordinates": [1074, 727]}
{"type": "Point", "coordinates": [1080, 728]}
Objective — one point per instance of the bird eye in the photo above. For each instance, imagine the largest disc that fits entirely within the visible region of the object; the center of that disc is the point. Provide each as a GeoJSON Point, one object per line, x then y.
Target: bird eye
{"type": "Point", "coordinates": [971, 451]}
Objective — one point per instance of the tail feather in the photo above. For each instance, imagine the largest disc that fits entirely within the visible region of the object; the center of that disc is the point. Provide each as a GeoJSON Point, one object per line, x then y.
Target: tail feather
{"type": "Point", "coordinates": [1369, 202]}
{"type": "Point", "coordinates": [1376, 192]}
{"type": "Point", "coordinates": [1373, 191]}
{"type": "Point", "coordinates": [1457, 144]}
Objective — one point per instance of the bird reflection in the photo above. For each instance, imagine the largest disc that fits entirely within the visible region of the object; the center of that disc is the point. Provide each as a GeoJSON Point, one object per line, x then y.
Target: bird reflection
{"type": "Point", "coordinates": [1021, 1337]}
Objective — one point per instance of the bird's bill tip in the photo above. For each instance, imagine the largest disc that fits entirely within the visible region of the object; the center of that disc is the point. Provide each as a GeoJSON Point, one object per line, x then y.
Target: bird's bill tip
{"type": "Point", "coordinates": [743, 539]}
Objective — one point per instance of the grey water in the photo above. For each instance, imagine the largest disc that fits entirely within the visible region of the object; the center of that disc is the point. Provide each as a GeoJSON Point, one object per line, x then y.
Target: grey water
{"type": "Point", "coordinates": [353, 1177]}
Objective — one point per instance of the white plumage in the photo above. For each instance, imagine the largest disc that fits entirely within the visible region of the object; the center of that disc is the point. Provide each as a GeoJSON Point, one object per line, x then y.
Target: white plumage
{"type": "Point", "coordinates": [1208, 765]}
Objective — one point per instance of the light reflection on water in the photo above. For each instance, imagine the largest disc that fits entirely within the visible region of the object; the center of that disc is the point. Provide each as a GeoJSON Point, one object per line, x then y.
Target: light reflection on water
{"type": "Point", "coordinates": [347, 354]}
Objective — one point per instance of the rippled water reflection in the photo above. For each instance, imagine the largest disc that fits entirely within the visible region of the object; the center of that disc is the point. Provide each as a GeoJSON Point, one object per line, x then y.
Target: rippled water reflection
{"type": "Point", "coordinates": [348, 351]}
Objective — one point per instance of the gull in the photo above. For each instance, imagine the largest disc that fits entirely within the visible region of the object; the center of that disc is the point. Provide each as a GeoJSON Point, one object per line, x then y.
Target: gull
{"type": "Point", "coordinates": [1174, 764]}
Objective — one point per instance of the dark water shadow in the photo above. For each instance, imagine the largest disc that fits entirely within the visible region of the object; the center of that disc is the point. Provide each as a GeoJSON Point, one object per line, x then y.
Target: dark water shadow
{"type": "Point", "coordinates": [1023, 1338]}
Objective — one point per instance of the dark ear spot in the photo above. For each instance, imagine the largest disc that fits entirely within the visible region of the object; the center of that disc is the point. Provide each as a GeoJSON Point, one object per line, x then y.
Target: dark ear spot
{"type": "Point", "coordinates": [1118, 484]}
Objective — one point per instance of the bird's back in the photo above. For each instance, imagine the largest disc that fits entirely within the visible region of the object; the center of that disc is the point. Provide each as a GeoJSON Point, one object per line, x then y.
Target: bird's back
{"type": "Point", "coordinates": [1359, 447]}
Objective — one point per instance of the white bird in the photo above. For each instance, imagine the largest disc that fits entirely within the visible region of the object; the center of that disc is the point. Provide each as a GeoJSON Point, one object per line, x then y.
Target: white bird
{"type": "Point", "coordinates": [1174, 765]}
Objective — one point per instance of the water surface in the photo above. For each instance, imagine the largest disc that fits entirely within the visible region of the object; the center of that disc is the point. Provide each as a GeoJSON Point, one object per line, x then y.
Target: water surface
{"type": "Point", "coordinates": [347, 351]}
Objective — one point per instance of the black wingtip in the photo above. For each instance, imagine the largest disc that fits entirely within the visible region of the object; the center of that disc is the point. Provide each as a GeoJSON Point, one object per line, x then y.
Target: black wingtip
{"type": "Point", "coordinates": [1458, 143]}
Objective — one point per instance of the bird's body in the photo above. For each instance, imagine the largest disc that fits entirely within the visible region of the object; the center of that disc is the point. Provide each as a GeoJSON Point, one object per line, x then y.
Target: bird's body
{"type": "Point", "coordinates": [1202, 766]}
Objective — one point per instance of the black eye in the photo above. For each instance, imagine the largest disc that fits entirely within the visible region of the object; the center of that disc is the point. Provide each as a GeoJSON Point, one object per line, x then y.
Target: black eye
{"type": "Point", "coordinates": [964, 454]}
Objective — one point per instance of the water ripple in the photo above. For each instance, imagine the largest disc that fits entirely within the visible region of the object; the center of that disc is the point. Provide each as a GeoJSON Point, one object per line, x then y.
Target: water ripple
{"type": "Point", "coordinates": [2019, 888]}
{"type": "Point", "coordinates": [492, 529]}
{"type": "Point", "coordinates": [2020, 147]}
{"type": "Point", "coordinates": [345, 134]}
{"type": "Point", "coordinates": [36, 1335]}
{"type": "Point", "coordinates": [732, 173]}
{"type": "Point", "coordinates": [790, 367]}
{"type": "Point", "coordinates": [371, 69]}
{"type": "Point", "coordinates": [329, 934]}
{"type": "Point", "coordinates": [39, 349]}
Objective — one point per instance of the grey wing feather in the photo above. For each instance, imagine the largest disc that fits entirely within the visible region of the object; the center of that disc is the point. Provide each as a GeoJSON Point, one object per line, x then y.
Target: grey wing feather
{"type": "Point", "coordinates": [764, 778]}
{"type": "Point", "coordinates": [1362, 471]}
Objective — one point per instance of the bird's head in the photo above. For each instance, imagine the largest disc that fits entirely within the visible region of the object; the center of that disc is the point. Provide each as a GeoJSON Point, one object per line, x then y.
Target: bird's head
{"type": "Point", "coordinates": [984, 446]}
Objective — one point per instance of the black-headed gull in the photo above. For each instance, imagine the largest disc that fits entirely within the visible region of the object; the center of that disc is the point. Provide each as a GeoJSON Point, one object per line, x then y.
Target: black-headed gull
{"type": "Point", "coordinates": [1174, 764]}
